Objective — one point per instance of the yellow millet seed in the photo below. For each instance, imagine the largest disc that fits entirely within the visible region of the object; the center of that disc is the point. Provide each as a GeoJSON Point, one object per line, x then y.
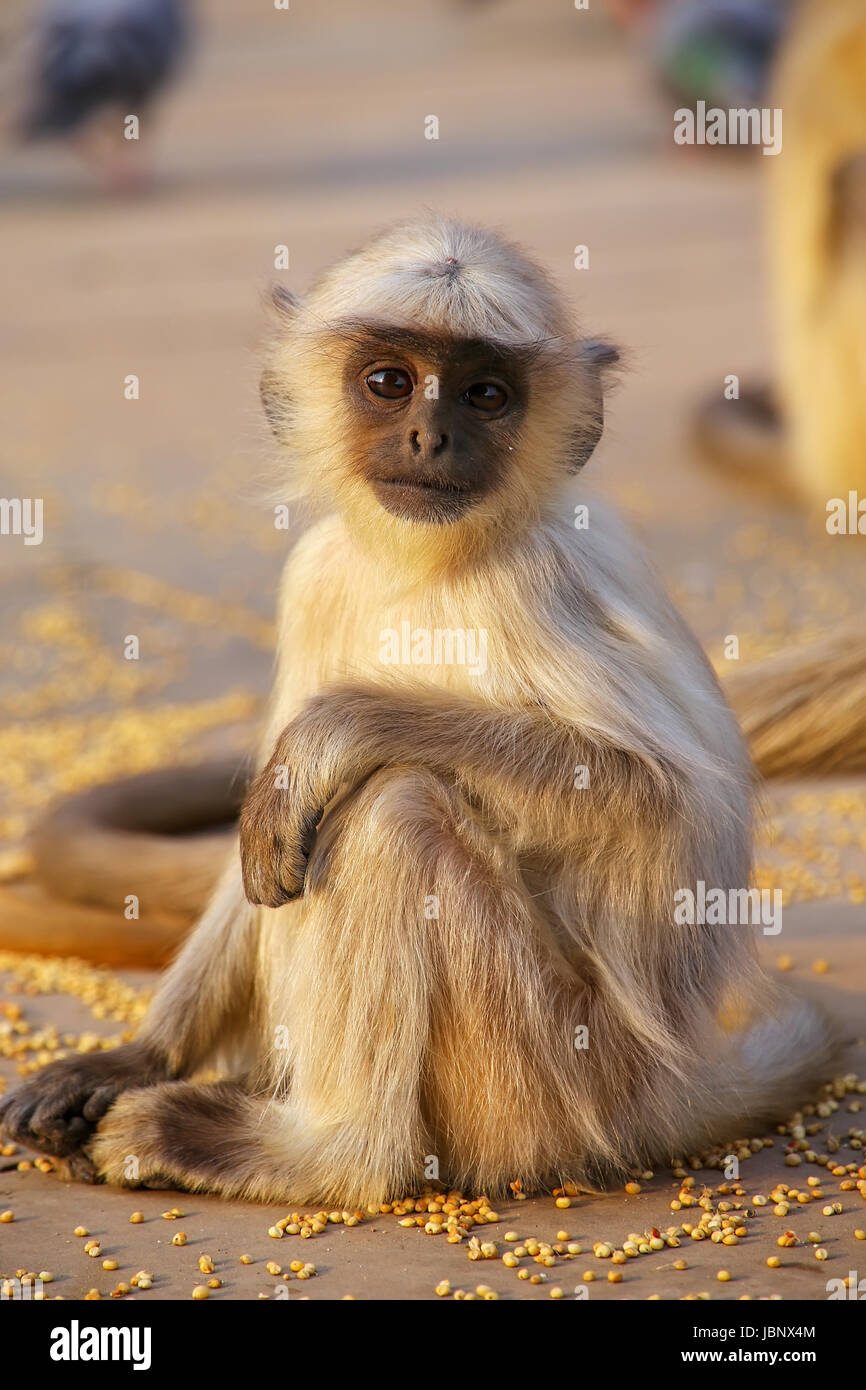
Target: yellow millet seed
{"type": "Point", "coordinates": [136, 1218]}
{"type": "Point", "coordinates": [179, 1239]}
{"type": "Point", "coordinates": [201, 1291]}
{"type": "Point", "coordinates": [723, 1276]}
{"type": "Point", "coordinates": [7, 1216]}
{"type": "Point", "coordinates": [246, 1259]}
{"type": "Point", "coordinates": [205, 1264]}
{"type": "Point", "coordinates": [109, 1264]}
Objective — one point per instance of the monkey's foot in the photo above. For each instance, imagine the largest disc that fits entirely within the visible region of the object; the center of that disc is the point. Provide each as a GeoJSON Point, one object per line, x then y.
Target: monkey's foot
{"type": "Point", "coordinates": [57, 1110]}
{"type": "Point", "coordinates": [178, 1134]}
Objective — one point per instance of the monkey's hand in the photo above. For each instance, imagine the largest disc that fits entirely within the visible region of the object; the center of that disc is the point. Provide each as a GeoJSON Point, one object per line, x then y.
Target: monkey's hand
{"type": "Point", "coordinates": [278, 825]}
{"type": "Point", "coordinates": [57, 1110]}
{"type": "Point", "coordinates": [329, 746]}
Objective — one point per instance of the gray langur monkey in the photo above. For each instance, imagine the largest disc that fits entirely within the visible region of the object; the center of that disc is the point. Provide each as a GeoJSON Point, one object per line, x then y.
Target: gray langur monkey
{"type": "Point", "coordinates": [449, 926]}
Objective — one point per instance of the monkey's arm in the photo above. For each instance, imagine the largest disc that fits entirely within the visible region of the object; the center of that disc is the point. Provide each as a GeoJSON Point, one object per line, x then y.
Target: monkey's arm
{"type": "Point", "coordinates": [520, 765]}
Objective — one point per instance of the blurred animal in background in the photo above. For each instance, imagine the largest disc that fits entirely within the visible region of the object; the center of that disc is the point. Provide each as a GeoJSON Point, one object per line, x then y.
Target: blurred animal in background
{"type": "Point", "coordinates": [718, 51]}
{"type": "Point", "coordinates": [806, 437]}
{"type": "Point", "coordinates": [92, 64]}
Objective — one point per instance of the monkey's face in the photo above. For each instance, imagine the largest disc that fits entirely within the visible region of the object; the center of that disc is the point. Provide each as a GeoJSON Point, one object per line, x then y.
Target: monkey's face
{"type": "Point", "coordinates": [432, 421]}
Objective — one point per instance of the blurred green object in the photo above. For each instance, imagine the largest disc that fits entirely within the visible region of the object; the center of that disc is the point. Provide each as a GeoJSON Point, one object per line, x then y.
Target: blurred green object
{"type": "Point", "coordinates": [719, 51]}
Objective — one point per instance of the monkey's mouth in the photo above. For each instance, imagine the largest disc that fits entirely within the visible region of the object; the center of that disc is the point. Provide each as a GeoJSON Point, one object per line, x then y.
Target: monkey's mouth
{"type": "Point", "coordinates": [438, 500]}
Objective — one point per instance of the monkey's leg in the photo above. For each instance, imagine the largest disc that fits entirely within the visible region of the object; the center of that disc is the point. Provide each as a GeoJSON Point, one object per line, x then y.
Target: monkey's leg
{"type": "Point", "coordinates": [417, 1008]}
{"type": "Point", "coordinates": [346, 987]}
{"type": "Point", "coordinates": [202, 1137]}
{"type": "Point", "coordinates": [445, 1030]}
{"type": "Point", "coordinates": [203, 1007]}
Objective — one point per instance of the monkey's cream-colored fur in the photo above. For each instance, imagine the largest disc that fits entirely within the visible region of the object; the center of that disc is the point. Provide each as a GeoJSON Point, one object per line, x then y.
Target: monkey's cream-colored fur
{"type": "Point", "coordinates": [817, 247]}
{"type": "Point", "coordinates": [467, 907]}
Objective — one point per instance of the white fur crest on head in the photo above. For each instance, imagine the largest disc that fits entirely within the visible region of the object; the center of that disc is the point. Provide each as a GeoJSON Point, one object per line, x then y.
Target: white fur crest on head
{"type": "Point", "coordinates": [443, 274]}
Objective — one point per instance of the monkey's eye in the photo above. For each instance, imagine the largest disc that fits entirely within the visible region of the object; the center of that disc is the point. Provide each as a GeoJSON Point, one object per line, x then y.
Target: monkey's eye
{"type": "Point", "coordinates": [390, 382]}
{"type": "Point", "coordinates": [486, 396]}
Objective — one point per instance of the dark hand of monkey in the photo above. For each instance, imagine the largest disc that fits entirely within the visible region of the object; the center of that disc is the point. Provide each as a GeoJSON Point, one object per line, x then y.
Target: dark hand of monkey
{"type": "Point", "coordinates": [57, 1110]}
{"type": "Point", "coordinates": [277, 829]}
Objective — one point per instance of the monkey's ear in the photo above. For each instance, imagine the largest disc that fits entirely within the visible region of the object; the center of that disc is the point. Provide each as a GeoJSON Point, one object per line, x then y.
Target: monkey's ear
{"type": "Point", "coordinates": [273, 398]}
{"type": "Point", "coordinates": [285, 302]}
{"type": "Point", "coordinates": [286, 305]}
{"type": "Point", "coordinates": [596, 356]}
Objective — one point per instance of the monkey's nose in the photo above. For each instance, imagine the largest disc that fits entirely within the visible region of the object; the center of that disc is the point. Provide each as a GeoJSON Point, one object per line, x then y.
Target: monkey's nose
{"type": "Point", "coordinates": [428, 442]}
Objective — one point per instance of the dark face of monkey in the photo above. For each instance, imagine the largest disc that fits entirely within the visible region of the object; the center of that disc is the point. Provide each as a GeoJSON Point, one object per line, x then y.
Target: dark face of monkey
{"type": "Point", "coordinates": [432, 419]}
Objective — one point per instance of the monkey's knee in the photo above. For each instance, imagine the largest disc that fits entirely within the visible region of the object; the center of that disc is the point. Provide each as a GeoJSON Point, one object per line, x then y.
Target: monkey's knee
{"type": "Point", "coordinates": [402, 822]}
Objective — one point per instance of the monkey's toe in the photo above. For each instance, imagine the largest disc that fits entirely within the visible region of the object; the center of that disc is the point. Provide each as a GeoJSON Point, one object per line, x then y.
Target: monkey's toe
{"type": "Point", "coordinates": [80, 1169]}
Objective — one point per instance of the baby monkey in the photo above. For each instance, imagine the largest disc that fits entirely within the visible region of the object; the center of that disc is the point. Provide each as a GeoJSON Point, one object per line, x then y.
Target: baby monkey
{"type": "Point", "coordinates": [446, 942]}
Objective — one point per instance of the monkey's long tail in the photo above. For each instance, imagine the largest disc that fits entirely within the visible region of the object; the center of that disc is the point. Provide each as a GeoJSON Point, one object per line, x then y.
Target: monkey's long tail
{"type": "Point", "coordinates": [161, 838]}
{"type": "Point", "coordinates": [803, 711]}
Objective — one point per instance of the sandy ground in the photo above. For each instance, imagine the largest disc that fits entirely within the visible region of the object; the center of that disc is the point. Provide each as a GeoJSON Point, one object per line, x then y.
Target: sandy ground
{"type": "Point", "coordinates": [292, 129]}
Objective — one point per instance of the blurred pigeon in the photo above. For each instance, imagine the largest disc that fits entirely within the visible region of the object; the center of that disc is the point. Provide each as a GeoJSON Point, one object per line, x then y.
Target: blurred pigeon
{"type": "Point", "coordinates": [96, 61]}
